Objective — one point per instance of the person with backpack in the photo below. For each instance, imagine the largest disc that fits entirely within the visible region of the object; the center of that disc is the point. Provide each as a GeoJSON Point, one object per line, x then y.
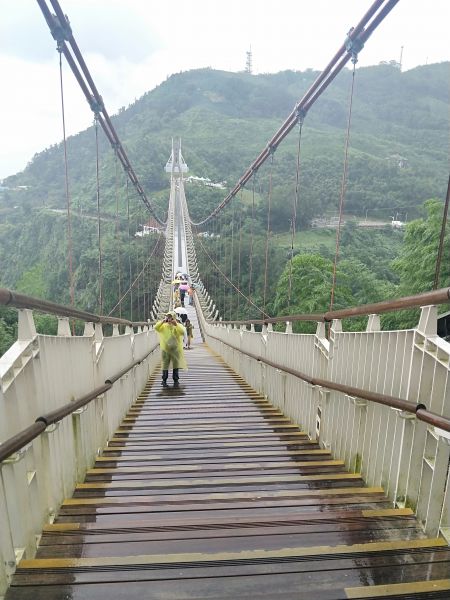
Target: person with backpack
{"type": "Point", "coordinates": [184, 286]}
{"type": "Point", "coordinates": [171, 334]}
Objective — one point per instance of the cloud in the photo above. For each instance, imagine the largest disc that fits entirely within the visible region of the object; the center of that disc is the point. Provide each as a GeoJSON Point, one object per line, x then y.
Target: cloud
{"type": "Point", "coordinates": [117, 32]}
{"type": "Point", "coordinates": [131, 46]}
{"type": "Point", "coordinates": [24, 33]}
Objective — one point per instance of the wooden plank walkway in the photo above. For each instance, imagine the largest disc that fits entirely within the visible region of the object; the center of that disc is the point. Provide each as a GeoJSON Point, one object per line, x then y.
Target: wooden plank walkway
{"type": "Point", "coordinates": [207, 491]}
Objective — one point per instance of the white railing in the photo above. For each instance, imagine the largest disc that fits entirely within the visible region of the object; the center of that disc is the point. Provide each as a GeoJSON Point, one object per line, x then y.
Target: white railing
{"type": "Point", "coordinates": [390, 448]}
{"type": "Point", "coordinates": [38, 374]}
{"type": "Point", "coordinates": [41, 373]}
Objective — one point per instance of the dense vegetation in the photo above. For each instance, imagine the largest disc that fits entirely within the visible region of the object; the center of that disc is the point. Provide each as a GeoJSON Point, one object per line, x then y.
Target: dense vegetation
{"type": "Point", "coordinates": [398, 160]}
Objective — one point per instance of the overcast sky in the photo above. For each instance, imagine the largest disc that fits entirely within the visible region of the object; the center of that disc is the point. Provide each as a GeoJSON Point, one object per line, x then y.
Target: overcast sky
{"type": "Point", "coordinates": [130, 46]}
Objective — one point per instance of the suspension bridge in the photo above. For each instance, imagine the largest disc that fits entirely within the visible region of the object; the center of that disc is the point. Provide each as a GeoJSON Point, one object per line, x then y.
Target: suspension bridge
{"type": "Point", "coordinates": [284, 465]}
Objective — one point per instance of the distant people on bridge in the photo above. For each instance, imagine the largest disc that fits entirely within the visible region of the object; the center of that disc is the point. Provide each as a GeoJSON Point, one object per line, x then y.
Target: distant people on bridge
{"type": "Point", "coordinates": [171, 334]}
{"type": "Point", "coordinates": [189, 333]}
{"type": "Point", "coordinates": [191, 292]}
{"type": "Point", "coordinates": [184, 286]}
{"type": "Point", "coordinates": [176, 296]}
{"type": "Point", "coordinates": [182, 313]}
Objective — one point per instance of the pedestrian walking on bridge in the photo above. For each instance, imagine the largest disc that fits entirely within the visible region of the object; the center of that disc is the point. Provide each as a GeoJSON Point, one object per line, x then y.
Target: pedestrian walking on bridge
{"type": "Point", "coordinates": [171, 334]}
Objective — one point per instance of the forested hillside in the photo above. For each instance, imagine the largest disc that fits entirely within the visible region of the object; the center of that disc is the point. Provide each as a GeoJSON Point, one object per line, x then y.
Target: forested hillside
{"type": "Point", "coordinates": [398, 160]}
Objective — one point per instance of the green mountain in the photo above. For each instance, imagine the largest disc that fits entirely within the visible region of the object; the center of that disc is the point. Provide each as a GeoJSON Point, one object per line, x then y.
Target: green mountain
{"type": "Point", "coordinates": [398, 159]}
{"type": "Point", "coordinates": [225, 119]}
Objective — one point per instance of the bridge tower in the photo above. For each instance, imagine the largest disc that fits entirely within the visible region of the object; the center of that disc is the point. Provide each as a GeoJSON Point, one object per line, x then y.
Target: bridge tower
{"type": "Point", "coordinates": [176, 164]}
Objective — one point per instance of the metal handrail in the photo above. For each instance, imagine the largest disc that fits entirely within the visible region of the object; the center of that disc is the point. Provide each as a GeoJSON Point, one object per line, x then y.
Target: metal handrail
{"type": "Point", "coordinates": [24, 437]}
{"type": "Point", "coordinates": [441, 296]}
{"type": "Point", "coordinates": [420, 410]}
{"type": "Point", "coordinates": [17, 300]}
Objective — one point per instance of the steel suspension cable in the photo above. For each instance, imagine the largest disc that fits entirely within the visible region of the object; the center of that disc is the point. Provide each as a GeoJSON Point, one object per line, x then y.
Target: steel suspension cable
{"type": "Point", "coordinates": [66, 179]}
{"type": "Point", "coordinates": [144, 283]}
{"type": "Point", "coordinates": [99, 228]}
{"type": "Point", "coordinates": [136, 262]}
{"type": "Point", "coordinates": [295, 205]}
{"type": "Point", "coordinates": [356, 38]}
{"type": "Point", "coordinates": [219, 270]}
{"type": "Point", "coordinates": [239, 256]}
{"type": "Point", "coordinates": [269, 205]}
{"type": "Point", "coordinates": [133, 283]}
{"type": "Point", "coordinates": [343, 184]}
{"type": "Point", "coordinates": [216, 256]}
{"type": "Point", "coordinates": [437, 273]}
{"type": "Point", "coordinates": [224, 257]}
{"type": "Point", "coordinates": [252, 224]}
{"type": "Point", "coordinates": [117, 231]}
{"type": "Point", "coordinates": [130, 276]}
{"type": "Point", "coordinates": [233, 206]}
{"type": "Point", "coordinates": [61, 31]}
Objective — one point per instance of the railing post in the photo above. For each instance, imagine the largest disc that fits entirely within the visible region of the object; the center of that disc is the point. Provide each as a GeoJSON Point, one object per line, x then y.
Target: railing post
{"type": "Point", "coordinates": [64, 327]}
{"type": "Point", "coordinates": [26, 326]}
{"type": "Point", "coordinates": [17, 502]}
{"type": "Point", "coordinates": [88, 330]}
{"type": "Point", "coordinates": [7, 554]}
{"type": "Point", "coordinates": [374, 323]}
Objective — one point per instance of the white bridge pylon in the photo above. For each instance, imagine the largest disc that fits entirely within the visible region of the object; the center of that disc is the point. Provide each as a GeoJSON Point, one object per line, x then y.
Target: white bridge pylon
{"type": "Point", "coordinates": [177, 166]}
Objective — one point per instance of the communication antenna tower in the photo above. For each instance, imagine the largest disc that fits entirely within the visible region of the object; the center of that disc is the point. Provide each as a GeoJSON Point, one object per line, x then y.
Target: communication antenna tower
{"type": "Point", "coordinates": [401, 58]}
{"type": "Point", "coordinates": [248, 62]}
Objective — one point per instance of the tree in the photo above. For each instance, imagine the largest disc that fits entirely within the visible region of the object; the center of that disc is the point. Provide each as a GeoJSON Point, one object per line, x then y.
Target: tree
{"type": "Point", "coordinates": [311, 277]}
{"type": "Point", "coordinates": [416, 264]}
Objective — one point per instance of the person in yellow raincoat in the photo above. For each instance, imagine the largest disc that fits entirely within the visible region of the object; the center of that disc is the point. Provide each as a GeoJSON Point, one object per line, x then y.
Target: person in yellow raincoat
{"type": "Point", "coordinates": [171, 334]}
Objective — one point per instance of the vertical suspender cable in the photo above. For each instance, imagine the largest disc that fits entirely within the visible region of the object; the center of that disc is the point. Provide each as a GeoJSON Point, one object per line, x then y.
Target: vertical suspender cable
{"type": "Point", "coordinates": [136, 262]}
{"type": "Point", "coordinates": [99, 230]}
{"type": "Point", "coordinates": [144, 283]}
{"type": "Point", "coordinates": [224, 249]}
{"type": "Point", "coordinates": [216, 256]}
{"type": "Point", "coordinates": [144, 278]}
{"type": "Point", "coordinates": [117, 232]}
{"type": "Point", "coordinates": [441, 239]}
{"type": "Point", "coordinates": [269, 204]}
{"type": "Point", "coordinates": [129, 251]}
{"type": "Point", "coordinates": [343, 185]}
{"type": "Point", "coordinates": [294, 207]}
{"type": "Point", "coordinates": [251, 239]}
{"type": "Point", "coordinates": [233, 207]}
{"type": "Point", "coordinates": [66, 175]}
{"type": "Point", "coordinates": [239, 259]}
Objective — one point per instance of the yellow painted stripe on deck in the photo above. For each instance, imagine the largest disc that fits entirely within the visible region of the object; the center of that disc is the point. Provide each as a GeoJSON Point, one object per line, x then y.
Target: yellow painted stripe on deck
{"type": "Point", "coordinates": [226, 467]}
{"type": "Point", "coordinates": [193, 482]}
{"type": "Point", "coordinates": [314, 451]}
{"type": "Point", "coordinates": [388, 512]}
{"type": "Point", "coordinates": [152, 559]}
{"type": "Point", "coordinates": [255, 495]}
{"type": "Point", "coordinates": [393, 589]}
{"type": "Point", "coordinates": [61, 527]}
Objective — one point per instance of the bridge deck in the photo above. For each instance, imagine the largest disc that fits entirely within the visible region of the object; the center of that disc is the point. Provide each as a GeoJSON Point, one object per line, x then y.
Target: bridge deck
{"type": "Point", "coordinates": [207, 491]}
